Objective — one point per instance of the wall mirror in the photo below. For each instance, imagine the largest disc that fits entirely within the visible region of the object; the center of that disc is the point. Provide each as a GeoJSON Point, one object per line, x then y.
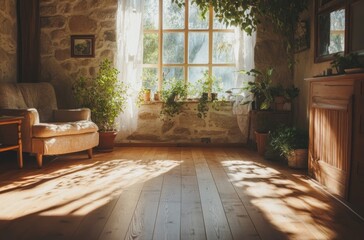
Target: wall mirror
{"type": "Point", "coordinates": [338, 28]}
{"type": "Point", "coordinates": [331, 32]}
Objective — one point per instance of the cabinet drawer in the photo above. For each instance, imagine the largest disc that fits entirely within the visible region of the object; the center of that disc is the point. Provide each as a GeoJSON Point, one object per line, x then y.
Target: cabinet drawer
{"type": "Point", "coordinates": [332, 89]}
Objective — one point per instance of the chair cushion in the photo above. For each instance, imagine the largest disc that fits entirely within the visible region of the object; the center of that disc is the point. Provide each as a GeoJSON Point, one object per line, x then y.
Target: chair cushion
{"type": "Point", "coordinates": [44, 130]}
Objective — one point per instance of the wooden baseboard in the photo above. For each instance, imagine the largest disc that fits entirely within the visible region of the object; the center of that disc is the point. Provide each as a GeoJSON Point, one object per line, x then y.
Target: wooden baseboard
{"type": "Point", "coordinates": [207, 145]}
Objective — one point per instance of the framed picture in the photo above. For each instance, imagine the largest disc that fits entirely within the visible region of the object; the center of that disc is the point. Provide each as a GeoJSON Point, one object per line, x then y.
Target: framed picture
{"type": "Point", "coordinates": [302, 36]}
{"type": "Point", "coordinates": [83, 46]}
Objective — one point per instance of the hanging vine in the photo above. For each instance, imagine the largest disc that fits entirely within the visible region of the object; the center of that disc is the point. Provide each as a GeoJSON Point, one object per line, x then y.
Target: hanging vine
{"type": "Point", "coordinates": [247, 14]}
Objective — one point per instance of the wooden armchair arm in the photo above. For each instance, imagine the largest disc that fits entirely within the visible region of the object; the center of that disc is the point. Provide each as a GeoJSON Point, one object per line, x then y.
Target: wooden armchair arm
{"type": "Point", "coordinates": [31, 117]}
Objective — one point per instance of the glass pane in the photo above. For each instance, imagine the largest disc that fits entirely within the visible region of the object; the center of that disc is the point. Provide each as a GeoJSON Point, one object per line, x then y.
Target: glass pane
{"type": "Point", "coordinates": [173, 16]}
{"type": "Point", "coordinates": [173, 48]}
{"type": "Point", "coordinates": [195, 19]}
{"type": "Point", "coordinates": [331, 32]}
{"type": "Point", "coordinates": [226, 77]}
{"type": "Point", "coordinates": [194, 74]}
{"type": "Point", "coordinates": [150, 48]}
{"type": "Point", "coordinates": [150, 79]}
{"type": "Point", "coordinates": [198, 48]}
{"type": "Point", "coordinates": [223, 47]}
{"type": "Point", "coordinates": [173, 72]}
{"type": "Point", "coordinates": [150, 14]}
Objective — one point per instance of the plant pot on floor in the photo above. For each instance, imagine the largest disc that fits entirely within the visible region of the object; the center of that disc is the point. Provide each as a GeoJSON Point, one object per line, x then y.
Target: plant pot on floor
{"type": "Point", "coordinates": [298, 159]}
{"type": "Point", "coordinates": [106, 141]}
{"type": "Point", "coordinates": [261, 140]}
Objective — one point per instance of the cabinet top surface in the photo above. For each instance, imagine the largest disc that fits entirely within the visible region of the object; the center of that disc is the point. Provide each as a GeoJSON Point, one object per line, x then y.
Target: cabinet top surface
{"type": "Point", "coordinates": [356, 76]}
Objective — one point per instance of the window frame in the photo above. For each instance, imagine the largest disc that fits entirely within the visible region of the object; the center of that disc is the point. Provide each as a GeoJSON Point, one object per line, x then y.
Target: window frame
{"type": "Point", "coordinates": [160, 31]}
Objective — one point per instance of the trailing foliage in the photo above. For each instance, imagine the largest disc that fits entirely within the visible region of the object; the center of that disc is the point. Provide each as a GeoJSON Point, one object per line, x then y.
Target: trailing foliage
{"type": "Point", "coordinates": [173, 90]}
{"type": "Point", "coordinates": [247, 14]}
{"type": "Point", "coordinates": [105, 95]}
{"type": "Point", "coordinates": [202, 106]}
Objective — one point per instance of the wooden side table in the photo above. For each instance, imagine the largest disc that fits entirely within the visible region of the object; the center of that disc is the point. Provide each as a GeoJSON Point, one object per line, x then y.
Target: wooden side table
{"type": "Point", "coordinates": [7, 120]}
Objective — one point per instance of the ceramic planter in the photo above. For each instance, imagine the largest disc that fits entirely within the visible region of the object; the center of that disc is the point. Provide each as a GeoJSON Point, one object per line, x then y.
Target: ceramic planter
{"type": "Point", "coordinates": [106, 141]}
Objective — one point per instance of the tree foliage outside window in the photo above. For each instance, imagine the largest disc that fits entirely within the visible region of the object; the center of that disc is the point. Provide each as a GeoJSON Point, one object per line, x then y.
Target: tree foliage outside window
{"type": "Point", "coordinates": [181, 44]}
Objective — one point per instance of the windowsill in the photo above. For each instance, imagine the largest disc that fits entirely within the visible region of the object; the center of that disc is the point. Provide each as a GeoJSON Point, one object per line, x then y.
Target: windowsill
{"type": "Point", "coordinates": [184, 101]}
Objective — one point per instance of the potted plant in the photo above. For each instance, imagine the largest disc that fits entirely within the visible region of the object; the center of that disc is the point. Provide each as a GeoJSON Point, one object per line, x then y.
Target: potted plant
{"type": "Point", "coordinates": [261, 131]}
{"type": "Point", "coordinates": [209, 85]}
{"type": "Point", "coordinates": [278, 93]}
{"type": "Point", "coordinates": [207, 88]}
{"type": "Point", "coordinates": [261, 88]}
{"type": "Point", "coordinates": [105, 95]}
{"type": "Point", "coordinates": [292, 144]}
{"type": "Point", "coordinates": [290, 93]}
{"type": "Point", "coordinates": [341, 62]}
{"type": "Point", "coordinates": [173, 91]}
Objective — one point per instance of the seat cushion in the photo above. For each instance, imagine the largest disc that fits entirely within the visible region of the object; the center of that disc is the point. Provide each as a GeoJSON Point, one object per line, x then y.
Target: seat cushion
{"type": "Point", "coordinates": [44, 130]}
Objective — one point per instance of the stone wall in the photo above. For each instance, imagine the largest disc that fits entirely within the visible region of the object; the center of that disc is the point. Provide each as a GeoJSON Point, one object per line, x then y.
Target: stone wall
{"type": "Point", "coordinates": [59, 20]}
{"type": "Point", "coordinates": [8, 41]}
{"type": "Point", "coordinates": [270, 51]}
{"type": "Point", "coordinates": [219, 126]}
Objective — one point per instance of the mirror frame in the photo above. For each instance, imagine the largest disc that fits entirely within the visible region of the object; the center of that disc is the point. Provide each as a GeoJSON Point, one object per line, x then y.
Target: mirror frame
{"type": "Point", "coordinates": [324, 7]}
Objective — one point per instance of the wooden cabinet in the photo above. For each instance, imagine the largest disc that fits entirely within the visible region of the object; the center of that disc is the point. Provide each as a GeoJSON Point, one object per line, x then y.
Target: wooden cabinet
{"type": "Point", "coordinates": [337, 136]}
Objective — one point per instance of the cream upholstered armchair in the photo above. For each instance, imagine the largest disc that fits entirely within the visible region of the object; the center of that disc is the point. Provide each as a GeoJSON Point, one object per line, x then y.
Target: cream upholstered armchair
{"type": "Point", "coordinates": [45, 129]}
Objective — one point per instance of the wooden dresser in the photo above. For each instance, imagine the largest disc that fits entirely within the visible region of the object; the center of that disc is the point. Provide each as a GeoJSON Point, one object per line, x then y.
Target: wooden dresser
{"type": "Point", "coordinates": [336, 148]}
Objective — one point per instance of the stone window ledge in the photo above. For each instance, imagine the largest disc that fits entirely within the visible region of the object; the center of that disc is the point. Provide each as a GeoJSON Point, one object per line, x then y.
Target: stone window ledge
{"type": "Point", "coordinates": [185, 101]}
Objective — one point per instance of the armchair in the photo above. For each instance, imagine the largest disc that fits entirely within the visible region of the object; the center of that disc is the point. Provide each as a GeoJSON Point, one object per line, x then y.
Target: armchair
{"type": "Point", "coordinates": [45, 129]}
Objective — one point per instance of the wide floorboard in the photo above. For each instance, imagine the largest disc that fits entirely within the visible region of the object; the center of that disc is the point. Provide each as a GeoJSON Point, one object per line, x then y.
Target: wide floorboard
{"type": "Point", "coordinates": [167, 193]}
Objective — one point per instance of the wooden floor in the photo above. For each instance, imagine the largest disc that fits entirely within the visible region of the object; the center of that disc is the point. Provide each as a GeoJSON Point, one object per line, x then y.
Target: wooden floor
{"type": "Point", "coordinates": [167, 193]}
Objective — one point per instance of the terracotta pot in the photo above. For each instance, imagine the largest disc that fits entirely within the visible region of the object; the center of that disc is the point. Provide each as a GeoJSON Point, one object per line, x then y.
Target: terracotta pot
{"type": "Point", "coordinates": [279, 103]}
{"type": "Point", "coordinates": [298, 159]}
{"type": "Point", "coordinates": [156, 96]}
{"type": "Point", "coordinates": [147, 96]}
{"type": "Point", "coordinates": [106, 141]}
{"type": "Point", "coordinates": [261, 140]}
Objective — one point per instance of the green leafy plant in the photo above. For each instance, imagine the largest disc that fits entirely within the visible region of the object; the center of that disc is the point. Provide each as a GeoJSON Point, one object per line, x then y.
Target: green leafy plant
{"type": "Point", "coordinates": [291, 92]}
{"type": "Point", "coordinates": [247, 14]}
{"type": "Point", "coordinates": [173, 91]}
{"type": "Point", "coordinates": [202, 106]}
{"type": "Point", "coordinates": [261, 88]}
{"type": "Point", "coordinates": [341, 62]}
{"type": "Point", "coordinates": [208, 88]}
{"type": "Point", "coordinates": [209, 84]}
{"type": "Point", "coordinates": [105, 95]}
{"type": "Point", "coordinates": [286, 139]}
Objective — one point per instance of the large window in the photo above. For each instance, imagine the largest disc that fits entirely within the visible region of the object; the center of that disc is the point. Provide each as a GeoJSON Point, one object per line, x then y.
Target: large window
{"type": "Point", "coordinates": [179, 44]}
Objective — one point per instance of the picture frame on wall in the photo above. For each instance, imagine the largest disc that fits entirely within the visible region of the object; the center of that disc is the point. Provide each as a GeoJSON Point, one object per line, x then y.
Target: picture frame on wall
{"type": "Point", "coordinates": [302, 36]}
{"type": "Point", "coordinates": [82, 46]}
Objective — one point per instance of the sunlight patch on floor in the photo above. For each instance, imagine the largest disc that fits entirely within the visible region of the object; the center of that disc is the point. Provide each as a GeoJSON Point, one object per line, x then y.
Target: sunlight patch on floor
{"type": "Point", "coordinates": [78, 189]}
{"type": "Point", "coordinates": [284, 203]}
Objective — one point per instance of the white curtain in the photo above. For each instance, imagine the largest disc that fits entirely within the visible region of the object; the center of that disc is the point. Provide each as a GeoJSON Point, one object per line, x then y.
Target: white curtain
{"type": "Point", "coordinates": [244, 60]}
{"type": "Point", "coordinates": [244, 57]}
{"type": "Point", "coordinates": [129, 59]}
